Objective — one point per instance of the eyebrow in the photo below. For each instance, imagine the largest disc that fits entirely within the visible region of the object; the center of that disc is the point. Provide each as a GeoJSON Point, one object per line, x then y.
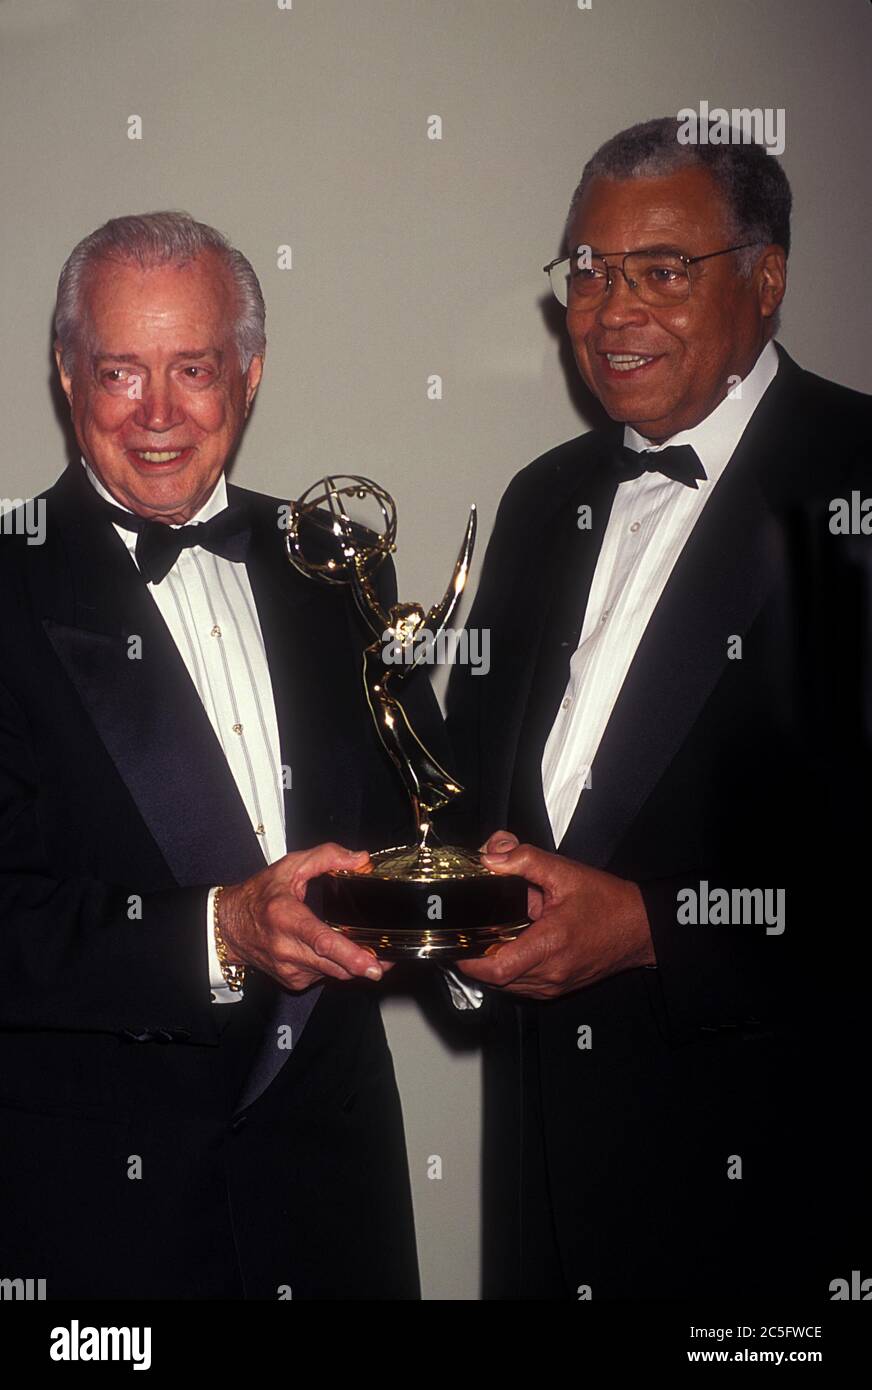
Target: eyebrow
{"type": "Point", "coordinates": [187, 353]}
{"type": "Point", "coordinates": [658, 246]}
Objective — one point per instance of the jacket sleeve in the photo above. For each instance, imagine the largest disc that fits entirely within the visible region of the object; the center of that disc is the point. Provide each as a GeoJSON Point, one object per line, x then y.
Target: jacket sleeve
{"type": "Point", "coordinates": [814, 972]}
{"type": "Point", "coordinates": [84, 955]}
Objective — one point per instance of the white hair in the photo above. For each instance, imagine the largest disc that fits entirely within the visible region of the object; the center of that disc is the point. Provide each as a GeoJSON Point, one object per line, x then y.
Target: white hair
{"type": "Point", "coordinates": [158, 238]}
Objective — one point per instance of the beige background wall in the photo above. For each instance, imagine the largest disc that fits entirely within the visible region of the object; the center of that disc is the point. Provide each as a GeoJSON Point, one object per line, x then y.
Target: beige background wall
{"type": "Point", "coordinates": [308, 127]}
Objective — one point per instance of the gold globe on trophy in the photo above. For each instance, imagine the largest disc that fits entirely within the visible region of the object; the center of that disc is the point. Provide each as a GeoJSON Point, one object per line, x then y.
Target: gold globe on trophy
{"type": "Point", "coordinates": [422, 899]}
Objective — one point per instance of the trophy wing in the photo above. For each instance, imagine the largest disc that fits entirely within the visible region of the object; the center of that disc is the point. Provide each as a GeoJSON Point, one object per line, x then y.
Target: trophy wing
{"type": "Point", "coordinates": [441, 613]}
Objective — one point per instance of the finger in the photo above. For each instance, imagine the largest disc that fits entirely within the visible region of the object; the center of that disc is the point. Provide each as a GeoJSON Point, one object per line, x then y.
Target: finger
{"type": "Point", "coordinates": [337, 972]}
{"type": "Point", "coordinates": [326, 970]}
{"type": "Point", "coordinates": [293, 929]}
{"type": "Point", "coordinates": [331, 944]}
{"type": "Point", "coordinates": [298, 977]}
{"type": "Point", "coordinates": [512, 961]}
{"type": "Point", "coordinates": [500, 842]}
{"type": "Point", "coordinates": [527, 987]}
{"type": "Point", "coordinates": [546, 871]}
{"type": "Point", "coordinates": [321, 859]}
{"type": "Point", "coordinates": [303, 963]}
{"type": "Point", "coordinates": [490, 970]}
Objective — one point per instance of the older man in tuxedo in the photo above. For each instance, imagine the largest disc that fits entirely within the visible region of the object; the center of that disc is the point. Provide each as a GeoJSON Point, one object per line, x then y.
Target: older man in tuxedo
{"type": "Point", "coordinates": [196, 1095]}
{"type": "Point", "coordinates": [677, 723]}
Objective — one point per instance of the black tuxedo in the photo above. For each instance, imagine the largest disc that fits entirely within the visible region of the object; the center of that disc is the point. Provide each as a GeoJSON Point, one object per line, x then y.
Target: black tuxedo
{"type": "Point", "coordinates": [607, 1165]}
{"type": "Point", "coordinates": [113, 787]}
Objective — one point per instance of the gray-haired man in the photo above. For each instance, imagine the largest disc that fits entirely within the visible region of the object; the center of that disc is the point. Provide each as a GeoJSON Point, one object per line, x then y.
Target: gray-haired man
{"type": "Point", "coordinates": [676, 721]}
{"type": "Point", "coordinates": [197, 1099]}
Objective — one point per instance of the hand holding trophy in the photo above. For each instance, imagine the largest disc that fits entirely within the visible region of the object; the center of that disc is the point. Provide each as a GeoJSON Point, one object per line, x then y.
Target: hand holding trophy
{"type": "Point", "coordinates": [422, 899]}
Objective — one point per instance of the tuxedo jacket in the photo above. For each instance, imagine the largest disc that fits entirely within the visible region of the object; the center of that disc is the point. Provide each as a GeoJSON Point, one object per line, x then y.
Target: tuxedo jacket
{"type": "Point", "coordinates": [153, 1144]}
{"type": "Point", "coordinates": [702, 1137]}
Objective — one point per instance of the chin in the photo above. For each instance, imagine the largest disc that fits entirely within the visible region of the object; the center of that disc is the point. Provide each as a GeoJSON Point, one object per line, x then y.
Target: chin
{"type": "Point", "coordinates": [632, 412]}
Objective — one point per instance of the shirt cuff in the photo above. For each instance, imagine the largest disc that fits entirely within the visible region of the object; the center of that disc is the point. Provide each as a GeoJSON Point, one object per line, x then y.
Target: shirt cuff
{"type": "Point", "coordinates": [221, 991]}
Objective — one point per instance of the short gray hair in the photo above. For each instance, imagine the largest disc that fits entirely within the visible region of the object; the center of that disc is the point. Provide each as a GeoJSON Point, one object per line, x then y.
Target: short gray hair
{"type": "Point", "coordinates": [753, 184]}
{"type": "Point", "coordinates": [158, 238]}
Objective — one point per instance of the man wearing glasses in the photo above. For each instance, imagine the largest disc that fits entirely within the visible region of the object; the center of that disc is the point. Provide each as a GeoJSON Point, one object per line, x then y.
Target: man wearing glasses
{"type": "Point", "coordinates": [671, 747]}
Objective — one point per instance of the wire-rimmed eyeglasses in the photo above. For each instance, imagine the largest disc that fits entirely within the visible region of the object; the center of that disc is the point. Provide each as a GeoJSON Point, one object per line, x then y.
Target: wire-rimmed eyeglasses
{"type": "Point", "coordinates": [658, 275]}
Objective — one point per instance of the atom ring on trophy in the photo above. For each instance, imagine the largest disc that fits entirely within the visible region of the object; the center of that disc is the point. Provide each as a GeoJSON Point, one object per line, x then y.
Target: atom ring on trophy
{"type": "Point", "coordinates": [389, 905]}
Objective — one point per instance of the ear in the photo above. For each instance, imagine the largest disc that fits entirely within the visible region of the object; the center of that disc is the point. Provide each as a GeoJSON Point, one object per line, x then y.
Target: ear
{"type": "Point", "coordinates": [252, 380]}
{"type": "Point", "coordinates": [771, 277]}
{"type": "Point", "coordinates": [66, 379]}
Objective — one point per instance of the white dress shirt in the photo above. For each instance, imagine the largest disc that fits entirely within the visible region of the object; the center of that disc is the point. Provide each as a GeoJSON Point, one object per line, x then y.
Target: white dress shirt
{"type": "Point", "coordinates": [650, 522]}
{"type": "Point", "coordinates": [208, 605]}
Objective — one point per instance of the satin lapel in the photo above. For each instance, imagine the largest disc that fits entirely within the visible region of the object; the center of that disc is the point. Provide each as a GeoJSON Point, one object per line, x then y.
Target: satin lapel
{"type": "Point", "coordinates": [314, 653]}
{"type": "Point", "coordinates": [145, 708]}
{"type": "Point", "coordinates": [717, 587]}
{"type": "Point", "coordinates": [576, 534]}
{"type": "Point", "coordinates": [512, 698]}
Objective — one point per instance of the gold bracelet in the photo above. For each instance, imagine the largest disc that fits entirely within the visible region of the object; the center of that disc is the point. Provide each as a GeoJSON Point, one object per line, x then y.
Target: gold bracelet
{"type": "Point", "coordinates": [234, 975]}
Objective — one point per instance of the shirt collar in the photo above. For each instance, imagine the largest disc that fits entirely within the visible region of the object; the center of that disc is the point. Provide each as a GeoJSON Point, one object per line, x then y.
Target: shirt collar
{"type": "Point", "coordinates": [715, 438]}
{"type": "Point", "coordinates": [215, 503]}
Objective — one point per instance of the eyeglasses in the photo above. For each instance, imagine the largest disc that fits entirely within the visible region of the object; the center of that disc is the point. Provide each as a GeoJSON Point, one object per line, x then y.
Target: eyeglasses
{"type": "Point", "coordinates": [659, 277]}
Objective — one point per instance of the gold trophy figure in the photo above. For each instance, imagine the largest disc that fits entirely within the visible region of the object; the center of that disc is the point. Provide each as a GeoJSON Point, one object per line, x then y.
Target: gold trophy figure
{"type": "Point", "coordinates": [424, 899]}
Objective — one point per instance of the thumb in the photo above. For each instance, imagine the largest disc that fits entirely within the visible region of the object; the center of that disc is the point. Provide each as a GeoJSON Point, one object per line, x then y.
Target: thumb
{"type": "Point", "coordinates": [500, 842]}
{"type": "Point", "coordinates": [324, 858]}
{"type": "Point", "coordinates": [533, 864]}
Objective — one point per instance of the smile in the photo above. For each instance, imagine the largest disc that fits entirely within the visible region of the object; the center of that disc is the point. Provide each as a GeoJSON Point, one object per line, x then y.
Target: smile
{"type": "Point", "coordinates": [159, 458]}
{"type": "Point", "coordinates": [627, 361]}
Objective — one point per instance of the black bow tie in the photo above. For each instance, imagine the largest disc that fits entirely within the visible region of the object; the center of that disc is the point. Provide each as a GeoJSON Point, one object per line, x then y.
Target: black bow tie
{"type": "Point", "coordinates": [158, 545]}
{"type": "Point", "coordinates": [677, 461]}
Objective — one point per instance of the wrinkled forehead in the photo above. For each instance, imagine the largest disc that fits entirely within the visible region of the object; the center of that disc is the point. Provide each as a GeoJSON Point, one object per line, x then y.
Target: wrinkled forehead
{"type": "Point", "coordinates": [685, 209]}
{"type": "Point", "coordinates": [176, 306]}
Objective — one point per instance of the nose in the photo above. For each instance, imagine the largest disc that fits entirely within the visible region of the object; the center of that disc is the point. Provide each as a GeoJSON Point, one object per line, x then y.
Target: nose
{"type": "Point", "coordinates": [158, 410]}
{"type": "Point", "coordinates": [620, 305]}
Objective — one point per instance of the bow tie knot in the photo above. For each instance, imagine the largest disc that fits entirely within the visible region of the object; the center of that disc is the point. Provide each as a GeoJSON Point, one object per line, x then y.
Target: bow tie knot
{"type": "Point", "coordinates": [680, 462]}
{"type": "Point", "coordinates": [158, 546]}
